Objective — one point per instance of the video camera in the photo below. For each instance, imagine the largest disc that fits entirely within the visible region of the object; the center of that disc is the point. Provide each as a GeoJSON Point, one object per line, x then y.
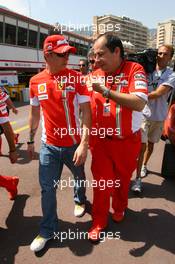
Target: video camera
{"type": "Point", "coordinates": [146, 58]}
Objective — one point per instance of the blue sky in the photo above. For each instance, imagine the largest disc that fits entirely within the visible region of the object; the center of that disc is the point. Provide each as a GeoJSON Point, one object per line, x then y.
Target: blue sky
{"type": "Point", "coordinates": [149, 12]}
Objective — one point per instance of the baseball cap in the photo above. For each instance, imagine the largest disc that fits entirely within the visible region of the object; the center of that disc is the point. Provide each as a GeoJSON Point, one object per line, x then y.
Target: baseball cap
{"type": "Point", "coordinates": [57, 44]}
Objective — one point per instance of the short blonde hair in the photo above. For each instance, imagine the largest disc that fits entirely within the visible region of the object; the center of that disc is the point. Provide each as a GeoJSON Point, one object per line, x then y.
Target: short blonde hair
{"type": "Point", "coordinates": [169, 47]}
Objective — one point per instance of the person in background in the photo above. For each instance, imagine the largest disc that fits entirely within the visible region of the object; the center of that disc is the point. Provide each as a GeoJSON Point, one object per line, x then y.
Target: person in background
{"type": "Point", "coordinates": [160, 84]}
{"type": "Point", "coordinates": [83, 64]}
{"type": "Point", "coordinates": [8, 182]}
{"type": "Point", "coordinates": [5, 105]}
{"type": "Point", "coordinates": [91, 61]}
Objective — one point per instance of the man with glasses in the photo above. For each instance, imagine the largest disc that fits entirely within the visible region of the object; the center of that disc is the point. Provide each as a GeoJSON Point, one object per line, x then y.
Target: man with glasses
{"type": "Point", "coordinates": [59, 92]}
{"type": "Point", "coordinates": [83, 64]}
{"type": "Point", "coordinates": [91, 60]}
{"type": "Point", "coordinates": [160, 84]}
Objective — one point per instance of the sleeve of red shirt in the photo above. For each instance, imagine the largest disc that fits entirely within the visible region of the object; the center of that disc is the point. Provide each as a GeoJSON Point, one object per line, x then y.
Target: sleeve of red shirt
{"type": "Point", "coordinates": [83, 94]}
{"type": "Point", "coordinates": [138, 82]}
{"type": "Point", "coordinates": [33, 97]}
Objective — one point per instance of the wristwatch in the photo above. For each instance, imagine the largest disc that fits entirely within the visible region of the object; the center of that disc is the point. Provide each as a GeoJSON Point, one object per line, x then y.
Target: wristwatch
{"type": "Point", "coordinates": [106, 93]}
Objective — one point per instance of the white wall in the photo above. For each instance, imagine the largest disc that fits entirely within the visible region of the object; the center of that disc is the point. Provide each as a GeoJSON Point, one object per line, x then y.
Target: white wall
{"type": "Point", "coordinates": [18, 53]}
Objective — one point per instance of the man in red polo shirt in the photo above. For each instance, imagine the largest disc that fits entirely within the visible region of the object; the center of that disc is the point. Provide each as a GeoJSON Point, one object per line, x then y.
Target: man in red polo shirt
{"type": "Point", "coordinates": [59, 92]}
{"type": "Point", "coordinates": [120, 91]}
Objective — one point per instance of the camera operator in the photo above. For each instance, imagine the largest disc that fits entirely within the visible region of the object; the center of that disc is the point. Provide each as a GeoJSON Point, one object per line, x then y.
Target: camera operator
{"type": "Point", "coordinates": [160, 84]}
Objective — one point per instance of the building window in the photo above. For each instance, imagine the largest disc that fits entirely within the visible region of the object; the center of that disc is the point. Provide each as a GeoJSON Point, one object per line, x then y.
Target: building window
{"type": "Point", "coordinates": [32, 39]}
{"type": "Point", "coordinates": [42, 38]}
{"type": "Point", "coordinates": [22, 36]}
{"type": "Point", "coordinates": [1, 32]}
{"type": "Point", "coordinates": [10, 34]}
{"type": "Point", "coordinates": [85, 51]}
{"type": "Point", "coordinates": [76, 45]}
{"type": "Point", "coordinates": [82, 49]}
{"type": "Point", "coordinates": [71, 43]}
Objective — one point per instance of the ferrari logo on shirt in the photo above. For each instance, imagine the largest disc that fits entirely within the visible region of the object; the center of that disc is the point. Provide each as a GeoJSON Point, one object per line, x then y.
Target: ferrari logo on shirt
{"type": "Point", "coordinates": [117, 80]}
{"type": "Point", "coordinates": [59, 86]}
{"type": "Point", "coordinates": [42, 88]}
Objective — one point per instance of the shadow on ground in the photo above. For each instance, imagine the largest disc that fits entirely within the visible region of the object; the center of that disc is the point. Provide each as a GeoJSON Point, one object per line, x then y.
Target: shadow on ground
{"type": "Point", "coordinates": [21, 231]}
{"type": "Point", "coordinates": [152, 227]}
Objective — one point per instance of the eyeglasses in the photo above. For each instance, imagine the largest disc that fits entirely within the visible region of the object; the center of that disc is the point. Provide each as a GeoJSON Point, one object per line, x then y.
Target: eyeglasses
{"type": "Point", "coordinates": [82, 65]}
{"type": "Point", "coordinates": [92, 61]}
{"type": "Point", "coordinates": [62, 55]}
{"type": "Point", "coordinates": [162, 53]}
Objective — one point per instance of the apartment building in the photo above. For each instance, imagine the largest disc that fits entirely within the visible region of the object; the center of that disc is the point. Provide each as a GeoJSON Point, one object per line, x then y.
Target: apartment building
{"type": "Point", "coordinates": [166, 33]}
{"type": "Point", "coordinates": [152, 39]}
{"type": "Point", "coordinates": [128, 30]}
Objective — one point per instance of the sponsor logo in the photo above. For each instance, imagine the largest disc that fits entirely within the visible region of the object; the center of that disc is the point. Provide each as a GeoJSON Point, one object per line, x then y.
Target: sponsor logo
{"type": "Point", "coordinates": [139, 76]}
{"type": "Point", "coordinates": [61, 42]}
{"type": "Point", "coordinates": [59, 86]}
{"type": "Point", "coordinates": [70, 88]}
{"type": "Point", "coordinates": [42, 88]}
{"type": "Point", "coordinates": [140, 85]}
{"type": "Point", "coordinates": [43, 97]}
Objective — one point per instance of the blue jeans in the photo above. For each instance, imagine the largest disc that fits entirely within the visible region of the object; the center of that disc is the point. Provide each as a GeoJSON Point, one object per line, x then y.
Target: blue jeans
{"type": "Point", "coordinates": [52, 159]}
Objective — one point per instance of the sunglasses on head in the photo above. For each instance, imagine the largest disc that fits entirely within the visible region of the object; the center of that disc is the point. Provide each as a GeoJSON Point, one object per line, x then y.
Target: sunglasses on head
{"type": "Point", "coordinates": [92, 61]}
{"type": "Point", "coordinates": [62, 55]}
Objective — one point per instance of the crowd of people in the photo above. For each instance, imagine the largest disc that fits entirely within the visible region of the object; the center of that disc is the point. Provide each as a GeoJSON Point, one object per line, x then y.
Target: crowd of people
{"type": "Point", "coordinates": [111, 94]}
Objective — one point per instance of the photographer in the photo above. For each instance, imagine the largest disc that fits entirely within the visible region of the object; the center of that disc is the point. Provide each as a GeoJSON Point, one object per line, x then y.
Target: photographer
{"type": "Point", "coordinates": [160, 83]}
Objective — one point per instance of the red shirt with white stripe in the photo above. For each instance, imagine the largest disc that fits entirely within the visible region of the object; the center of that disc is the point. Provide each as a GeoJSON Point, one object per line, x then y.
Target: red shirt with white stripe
{"type": "Point", "coordinates": [4, 116]}
{"type": "Point", "coordinates": [118, 120]}
{"type": "Point", "coordinates": [59, 97]}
